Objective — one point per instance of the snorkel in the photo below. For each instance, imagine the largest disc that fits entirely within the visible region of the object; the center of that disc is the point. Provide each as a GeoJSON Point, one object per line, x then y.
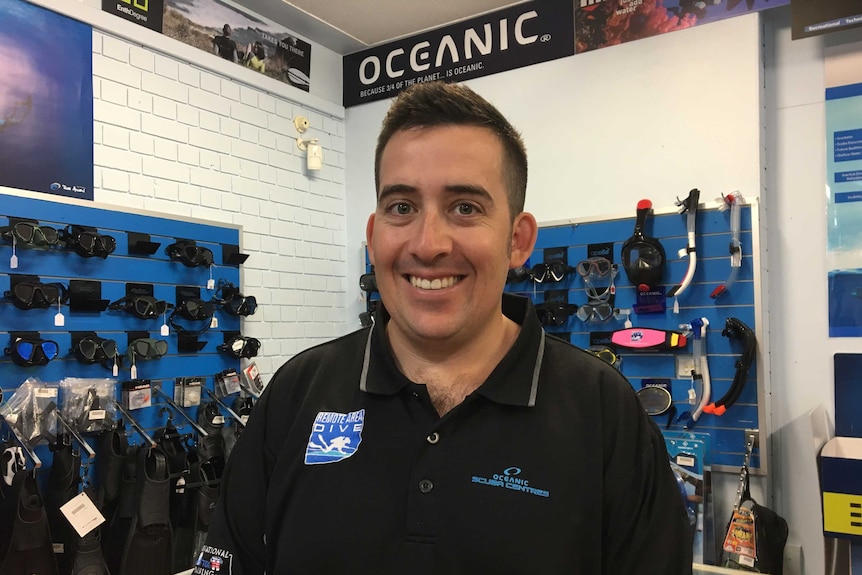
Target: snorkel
{"type": "Point", "coordinates": [736, 329]}
{"type": "Point", "coordinates": [733, 201]}
{"type": "Point", "coordinates": [700, 371]}
{"type": "Point", "coordinates": [687, 205]}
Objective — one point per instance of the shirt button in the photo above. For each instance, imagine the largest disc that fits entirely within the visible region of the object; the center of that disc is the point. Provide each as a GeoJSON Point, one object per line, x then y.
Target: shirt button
{"type": "Point", "coordinates": [433, 438]}
{"type": "Point", "coordinates": [425, 486]}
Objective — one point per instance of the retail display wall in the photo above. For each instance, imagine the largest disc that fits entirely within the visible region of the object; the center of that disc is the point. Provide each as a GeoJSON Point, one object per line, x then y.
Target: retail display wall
{"type": "Point", "coordinates": [741, 301]}
{"type": "Point", "coordinates": [129, 266]}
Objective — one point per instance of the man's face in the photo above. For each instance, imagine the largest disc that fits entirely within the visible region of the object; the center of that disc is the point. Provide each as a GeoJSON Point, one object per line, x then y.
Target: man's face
{"type": "Point", "coordinates": [441, 238]}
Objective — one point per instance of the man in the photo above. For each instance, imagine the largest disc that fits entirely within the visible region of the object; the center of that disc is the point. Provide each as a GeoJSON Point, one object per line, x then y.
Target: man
{"type": "Point", "coordinates": [224, 46]}
{"type": "Point", "coordinates": [452, 436]}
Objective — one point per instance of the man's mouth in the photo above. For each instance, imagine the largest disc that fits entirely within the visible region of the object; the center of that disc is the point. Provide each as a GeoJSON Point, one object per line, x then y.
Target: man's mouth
{"type": "Point", "coordinates": [435, 284]}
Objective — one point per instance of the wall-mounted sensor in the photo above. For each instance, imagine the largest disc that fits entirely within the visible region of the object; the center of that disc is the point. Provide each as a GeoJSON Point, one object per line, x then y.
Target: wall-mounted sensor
{"type": "Point", "coordinates": [313, 153]}
{"type": "Point", "coordinates": [301, 124]}
{"type": "Point", "coordinates": [315, 156]}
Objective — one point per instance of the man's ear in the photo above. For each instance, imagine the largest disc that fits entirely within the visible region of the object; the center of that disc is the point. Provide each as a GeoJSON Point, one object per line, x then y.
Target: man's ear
{"type": "Point", "coordinates": [369, 233]}
{"type": "Point", "coordinates": [525, 230]}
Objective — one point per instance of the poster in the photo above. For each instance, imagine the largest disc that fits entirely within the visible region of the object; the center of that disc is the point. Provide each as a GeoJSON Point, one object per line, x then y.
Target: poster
{"type": "Point", "coordinates": [526, 34]}
{"type": "Point", "coordinates": [813, 17]}
{"type": "Point", "coordinates": [147, 13]}
{"type": "Point", "coordinates": [602, 23]}
{"type": "Point", "coordinates": [241, 37]}
{"type": "Point", "coordinates": [46, 101]}
{"type": "Point", "coordinates": [843, 71]}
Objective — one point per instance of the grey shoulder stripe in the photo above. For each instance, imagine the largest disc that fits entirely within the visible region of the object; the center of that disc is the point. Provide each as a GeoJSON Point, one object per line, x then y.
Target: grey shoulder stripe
{"type": "Point", "coordinates": [540, 355]}
{"type": "Point", "coordinates": [363, 378]}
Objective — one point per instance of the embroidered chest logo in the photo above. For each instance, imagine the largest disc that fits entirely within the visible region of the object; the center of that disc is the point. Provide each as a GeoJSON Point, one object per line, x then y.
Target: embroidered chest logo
{"type": "Point", "coordinates": [213, 561]}
{"type": "Point", "coordinates": [334, 436]}
{"type": "Point", "coordinates": [511, 478]}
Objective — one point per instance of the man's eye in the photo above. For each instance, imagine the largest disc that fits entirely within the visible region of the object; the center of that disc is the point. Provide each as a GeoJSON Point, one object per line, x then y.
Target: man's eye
{"type": "Point", "coordinates": [466, 209]}
{"type": "Point", "coordinates": [401, 208]}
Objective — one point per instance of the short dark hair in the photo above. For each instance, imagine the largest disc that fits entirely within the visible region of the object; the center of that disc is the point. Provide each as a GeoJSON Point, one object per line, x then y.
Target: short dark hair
{"type": "Point", "coordinates": [432, 104]}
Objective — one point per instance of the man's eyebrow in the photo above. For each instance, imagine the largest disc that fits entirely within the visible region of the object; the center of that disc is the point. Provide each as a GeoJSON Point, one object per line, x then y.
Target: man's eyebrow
{"type": "Point", "coordinates": [393, 189]}
{"type": "Point", "coordinates": [455, 189]}
{"type": "Point", "coordinates": [471, 190]}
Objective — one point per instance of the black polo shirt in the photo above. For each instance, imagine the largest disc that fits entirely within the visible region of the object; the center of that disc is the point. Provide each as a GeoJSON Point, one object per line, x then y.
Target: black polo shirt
{"type": "Point", "coordinates": [551, 466]}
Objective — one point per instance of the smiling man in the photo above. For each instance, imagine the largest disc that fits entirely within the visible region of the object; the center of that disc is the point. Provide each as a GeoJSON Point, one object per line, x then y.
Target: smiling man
{"type": "Point", "coordinates": [453, 436]}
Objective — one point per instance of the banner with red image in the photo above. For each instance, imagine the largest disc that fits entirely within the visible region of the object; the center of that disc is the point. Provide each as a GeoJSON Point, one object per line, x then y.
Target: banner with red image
{"type": "Point", "coordinates": [602, 23]}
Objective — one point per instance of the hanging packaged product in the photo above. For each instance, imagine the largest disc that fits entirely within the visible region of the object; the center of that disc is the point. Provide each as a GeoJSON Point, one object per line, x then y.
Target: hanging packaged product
{"type": "Point", "coordinates": [89, 403]}
{"type": "Point", "coordinates": [137, 394]}
{"type": "Point", "coordinates": [31, 411]}
{"type": "Point", "coordinates": [187, 391]}
{"type": "Point", "coordinates": [227, 382]}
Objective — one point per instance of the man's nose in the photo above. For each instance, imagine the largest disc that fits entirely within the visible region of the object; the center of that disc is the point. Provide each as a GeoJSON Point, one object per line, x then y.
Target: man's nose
{"type": "Point", "coordinates": [432, 238]}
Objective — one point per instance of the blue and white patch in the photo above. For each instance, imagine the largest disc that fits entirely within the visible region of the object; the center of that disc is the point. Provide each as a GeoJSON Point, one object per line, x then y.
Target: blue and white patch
{"type": "Point", "coordinates": [213, 561]}
{"type": "Point", "coordinates": [334, 436]}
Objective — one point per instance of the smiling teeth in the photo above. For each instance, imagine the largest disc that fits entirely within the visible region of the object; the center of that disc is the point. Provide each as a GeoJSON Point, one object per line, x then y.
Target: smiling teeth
{"type": "Point", "coordinates": [435, 284]}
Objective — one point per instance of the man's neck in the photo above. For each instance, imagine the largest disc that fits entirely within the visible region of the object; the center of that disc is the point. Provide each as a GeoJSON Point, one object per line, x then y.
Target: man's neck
{"type": "Point", "coordinates": [453, 370]}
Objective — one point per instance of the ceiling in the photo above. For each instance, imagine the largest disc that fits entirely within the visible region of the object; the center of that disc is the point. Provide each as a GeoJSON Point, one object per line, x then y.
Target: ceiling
{"type": "Point", "coordinates": [347, 26]}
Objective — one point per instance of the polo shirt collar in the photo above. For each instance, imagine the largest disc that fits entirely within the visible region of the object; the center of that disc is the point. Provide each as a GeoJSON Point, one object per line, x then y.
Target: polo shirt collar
{"type": "Point", "coordinates": [514, 381]}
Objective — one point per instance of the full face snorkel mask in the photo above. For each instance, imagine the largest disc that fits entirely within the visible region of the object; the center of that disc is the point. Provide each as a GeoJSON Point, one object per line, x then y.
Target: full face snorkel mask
{"type": "Point", "coordinates": [643, 257]}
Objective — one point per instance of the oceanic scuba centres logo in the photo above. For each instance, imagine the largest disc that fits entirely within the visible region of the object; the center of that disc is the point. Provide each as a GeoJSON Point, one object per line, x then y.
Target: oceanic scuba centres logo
{"type": "Point", "coordinates": [334, 436]}
{"type": "Point", "coordinates": [511, 479]}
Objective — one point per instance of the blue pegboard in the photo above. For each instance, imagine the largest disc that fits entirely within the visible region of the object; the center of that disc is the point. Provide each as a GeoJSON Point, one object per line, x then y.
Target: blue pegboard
{"type": "Point", "coordinates": [56, 264]}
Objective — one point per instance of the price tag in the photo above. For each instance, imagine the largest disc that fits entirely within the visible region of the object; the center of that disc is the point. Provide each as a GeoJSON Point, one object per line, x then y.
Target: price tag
{"type": "Point", "coordinates": [59, 320]}
{"type": "Point", "coordinates": [214, 322]}
{"type": "Point", "coordinates": [82, 514]}
{"type": "Point", "coordinates": [218, 420]}
{"type": "Point", "coordinates": [165, 330]}
{"type": "Point", "coordinates": [210, 284]}
{"type": "Point", "coordinates": [46, 392]}
{"type": "Point", "coordinates": [685, 461]}
{"type": "Point", "coordinates": [13, 262]}
{"type": "Point", "coordinates": [97, 415]}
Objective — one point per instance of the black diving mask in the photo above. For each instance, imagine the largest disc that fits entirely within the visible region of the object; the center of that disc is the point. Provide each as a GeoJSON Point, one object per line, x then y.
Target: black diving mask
{"type": "Point", "coordinates": [643, 257]}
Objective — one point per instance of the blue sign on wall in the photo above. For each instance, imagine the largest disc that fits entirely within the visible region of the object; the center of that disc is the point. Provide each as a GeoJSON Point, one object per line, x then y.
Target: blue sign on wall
{"type": "Point", "coordinates": [46, 102]}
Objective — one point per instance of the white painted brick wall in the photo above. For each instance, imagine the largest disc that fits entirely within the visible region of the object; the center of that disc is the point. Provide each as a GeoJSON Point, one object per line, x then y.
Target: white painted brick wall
{"type": "Point", "coordinates": [174, 138]}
